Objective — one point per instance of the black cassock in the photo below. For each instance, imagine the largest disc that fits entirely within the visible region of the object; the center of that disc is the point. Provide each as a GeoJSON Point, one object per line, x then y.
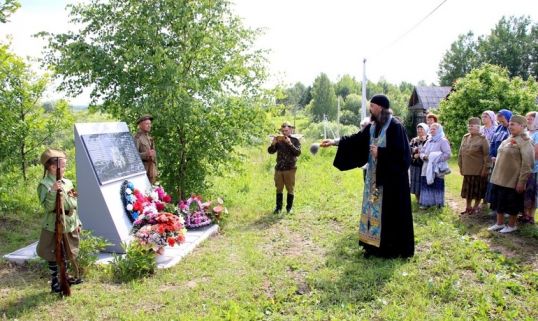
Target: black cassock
{"type": "Point", "coordinates": [393, 160]}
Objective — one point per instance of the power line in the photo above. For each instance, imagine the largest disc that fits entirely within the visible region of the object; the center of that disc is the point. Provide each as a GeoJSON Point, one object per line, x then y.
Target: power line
{"type": "Point", "coordinates": [412, 28]}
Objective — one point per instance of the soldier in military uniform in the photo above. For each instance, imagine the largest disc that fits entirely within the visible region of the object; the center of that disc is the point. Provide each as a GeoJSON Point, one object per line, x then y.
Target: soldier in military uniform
{"type": "Point", "coordinates": [288, 148]}
{"type": "Point", "coordinates": [146, 147]}
{"type": "Point", "coordinates": [46, 191]}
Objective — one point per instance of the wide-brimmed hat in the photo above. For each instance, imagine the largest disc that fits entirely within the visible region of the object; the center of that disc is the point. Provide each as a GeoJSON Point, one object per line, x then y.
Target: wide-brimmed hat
{"type": "Point", "coordinates": [144, 117]}
{"type": "Point", "coordinates": [51, 153]}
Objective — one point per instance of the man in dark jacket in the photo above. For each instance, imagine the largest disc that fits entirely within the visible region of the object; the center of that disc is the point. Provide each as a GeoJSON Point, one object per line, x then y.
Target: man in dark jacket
{"type": "Point", "coordinates": [287, 148]}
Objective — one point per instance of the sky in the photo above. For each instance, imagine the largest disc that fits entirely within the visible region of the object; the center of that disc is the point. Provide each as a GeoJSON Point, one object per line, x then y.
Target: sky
{"type": "Point", "coordinates": [307, 37]}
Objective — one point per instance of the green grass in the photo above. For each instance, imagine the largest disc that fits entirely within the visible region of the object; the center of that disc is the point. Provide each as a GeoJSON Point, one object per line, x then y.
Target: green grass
{"type": "Point", "coordinates": [305, 266]}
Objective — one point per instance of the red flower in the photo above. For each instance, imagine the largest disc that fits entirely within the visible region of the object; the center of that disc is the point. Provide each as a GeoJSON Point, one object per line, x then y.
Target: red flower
{"type": "Point", "coordinates": [159, 206]}
{"type": "Point", "coordinates": [167, 198]}
{"type": "Point", "coordinates": [171, 241]}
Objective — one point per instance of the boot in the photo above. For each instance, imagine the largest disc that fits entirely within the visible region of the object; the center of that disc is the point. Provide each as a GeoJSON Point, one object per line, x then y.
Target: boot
{"type": "Point", "coordinates": [54, 281]}
{"type": "Point", "coordinates": [289, 203]}
{"type": "Point", "coordinates": [279, 199]}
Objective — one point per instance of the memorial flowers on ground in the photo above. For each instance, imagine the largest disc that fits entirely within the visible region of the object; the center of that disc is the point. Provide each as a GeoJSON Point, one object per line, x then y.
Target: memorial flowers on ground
{"type": "Point", "coordinates": [153, 226]}
{"type": "Point", "coordinates": [197, 213]}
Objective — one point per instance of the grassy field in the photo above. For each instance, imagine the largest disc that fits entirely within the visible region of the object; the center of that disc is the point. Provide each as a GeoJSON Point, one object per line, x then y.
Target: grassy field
{"type": "Point", "coordinates": [305, 266]}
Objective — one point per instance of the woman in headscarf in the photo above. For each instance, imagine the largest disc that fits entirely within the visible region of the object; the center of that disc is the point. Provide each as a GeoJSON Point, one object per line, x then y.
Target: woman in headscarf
{"type": "Point", "coordinates": [515, 160]}
{"type": "Point", "coordinates": [500, 134]}
{"type": "Point", "coordinates": [489, 121]}
{"type": "Point", "coordinates": [473, 163]}
{"type": "Point", "coordinates": [531, 189]}
{"type": "Point", "coordinates": [490, 124]}
{"type": "Point", "coordinates": [435, 151]}
{"type": "Point", "coordinates": [416, 145]}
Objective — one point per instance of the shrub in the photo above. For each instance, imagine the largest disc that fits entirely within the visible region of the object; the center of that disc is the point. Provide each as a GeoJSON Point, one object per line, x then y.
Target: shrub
{"type": "Point", "coordinates": [89, 248]}
{"type": "Point", "coordinates": [138, 262]}
{"type": "Point", "coordinates": [316, 130]}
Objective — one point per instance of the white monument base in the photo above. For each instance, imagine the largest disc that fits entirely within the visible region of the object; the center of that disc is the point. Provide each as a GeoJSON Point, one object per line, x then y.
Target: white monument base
{"type": "Point", "coordinates": [170, 257]}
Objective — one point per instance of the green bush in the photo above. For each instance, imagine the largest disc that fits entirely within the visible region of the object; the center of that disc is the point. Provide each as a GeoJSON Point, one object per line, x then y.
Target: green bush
{"type": "Point", "coordinates": [89, 248]}
{"type": "Point", "coordinates": [316, 130]}
{"type": "Point", "coordinates": [138, 262]}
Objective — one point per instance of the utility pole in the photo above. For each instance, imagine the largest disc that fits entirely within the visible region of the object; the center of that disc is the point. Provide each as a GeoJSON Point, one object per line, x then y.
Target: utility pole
{"type": "Point", "coordinates": [364, 82]}
{"type": "Point", "coordinates": [338, 116]}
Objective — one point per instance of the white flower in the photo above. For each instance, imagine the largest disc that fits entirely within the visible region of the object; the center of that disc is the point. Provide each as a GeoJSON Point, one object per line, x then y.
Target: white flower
{"type": "Point", "coordinates": [154, 196]}
{"type": "Point", "coordinates": [128, 191]}
{"type": "Point", "coordinates": [129, 207]}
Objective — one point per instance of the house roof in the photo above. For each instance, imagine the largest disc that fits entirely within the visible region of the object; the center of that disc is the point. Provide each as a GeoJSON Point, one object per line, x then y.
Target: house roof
{"type": "Point", "coordinates": [428, 97]}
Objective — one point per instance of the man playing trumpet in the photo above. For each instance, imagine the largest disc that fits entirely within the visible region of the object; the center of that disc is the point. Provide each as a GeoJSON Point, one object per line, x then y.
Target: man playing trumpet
{"type": "Point", "coordinates": [287, 149]}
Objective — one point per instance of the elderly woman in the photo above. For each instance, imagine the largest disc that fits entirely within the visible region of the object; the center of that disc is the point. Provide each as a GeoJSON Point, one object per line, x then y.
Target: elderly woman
{"type": "Point", "coordinates": [490, 124]}
{"type": "Point", "coordinates": [435, 153]}
{"type": "Point", "coordinates": [473, 163]}
{"type": "Point", "coordinates": [531, 189]}
{"type": "Point", "coordinates": [514, 163]}
{"type": "Point", "coordinates": [499, 135]}
{"type": "Point", "coordinates": [416, 145]}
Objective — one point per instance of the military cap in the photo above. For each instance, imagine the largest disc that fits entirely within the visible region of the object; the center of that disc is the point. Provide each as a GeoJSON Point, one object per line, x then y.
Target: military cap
{"type": "Point", "coordinates": [144, 117]}
{"type": "Point", "coordinates": [519, 119]}
{"type": "Point", "coordinates": [286, 124]}
{"type": "Point", "coordinates": [51, 153]}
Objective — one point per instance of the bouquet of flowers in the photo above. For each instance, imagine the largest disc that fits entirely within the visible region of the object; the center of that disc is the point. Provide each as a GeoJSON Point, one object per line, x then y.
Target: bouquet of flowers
{"type": "Point", "coordinates": [198, 214]}
{"type": "Point", "coordinates": [158, 229]}
{"type": "Point", "coordinates": [193, 211]}
{"type": "Point", "coordinates": [152, 226]}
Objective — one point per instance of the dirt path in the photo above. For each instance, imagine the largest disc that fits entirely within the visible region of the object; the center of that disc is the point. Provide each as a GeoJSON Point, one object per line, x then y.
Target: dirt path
{"type": "Point", "coordinates": [524, 249]}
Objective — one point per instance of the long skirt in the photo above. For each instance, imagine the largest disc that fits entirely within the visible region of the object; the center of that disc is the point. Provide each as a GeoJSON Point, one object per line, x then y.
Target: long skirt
{"type": "Point", "coordinates": [47, 244]}
{"type": "Point", "coordinates": [474, 187]}
{"type": "Point", "coordinates": [434, 194]}
{"type": "Point", "coordinates": [506, 200]}
{"type": "Point", "coordinates": [414, 177]}
{"type": "Point", "coordinates": [530, 191]}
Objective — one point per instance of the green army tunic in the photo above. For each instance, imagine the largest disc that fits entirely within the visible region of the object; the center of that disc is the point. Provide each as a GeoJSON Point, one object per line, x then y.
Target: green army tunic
{"type": "Point", "coordinates": [47, 198]}
{"type": "Point", "coordinates": [144, 143]}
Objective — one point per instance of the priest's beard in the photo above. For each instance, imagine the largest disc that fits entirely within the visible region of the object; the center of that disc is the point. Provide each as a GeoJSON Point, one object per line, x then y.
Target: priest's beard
{"type": "Point", "coordinates": [380, 120]}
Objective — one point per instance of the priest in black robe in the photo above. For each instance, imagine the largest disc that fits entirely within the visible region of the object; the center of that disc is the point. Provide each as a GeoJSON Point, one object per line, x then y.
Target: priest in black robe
{"type": "Point", "coordinates": [386, 224]}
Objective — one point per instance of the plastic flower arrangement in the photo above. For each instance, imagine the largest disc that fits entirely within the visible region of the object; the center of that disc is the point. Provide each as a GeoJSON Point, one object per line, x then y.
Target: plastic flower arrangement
{"type": "Point", "coordinates": [152, 226]}
{"type": "Point", "coordinates": [198, 214]}
{"type": "Point", "coordinates": [193, 211]}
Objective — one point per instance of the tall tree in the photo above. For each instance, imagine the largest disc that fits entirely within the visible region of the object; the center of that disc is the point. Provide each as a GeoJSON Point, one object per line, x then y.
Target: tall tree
{"type": "Point", "coordinates": [461, 58]}
{"type": "Point", "coordinates": [26, 125]}
{"type": "Point", "coordinates": [347, 85]}
{"type": "Point", "coordinates": [7, 8]}
{"type": "Point", "coordinates": [323, 99]}
{"type": "Point", "coordinates": [512, 44]}
{"type": "Point", "coordinates": [485, 88]}
{"type": "Point", "coordinates": [190, 63]}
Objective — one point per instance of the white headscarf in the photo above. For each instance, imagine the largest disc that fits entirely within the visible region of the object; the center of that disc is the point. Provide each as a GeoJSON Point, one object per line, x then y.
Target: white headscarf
{"type": "Point", "coordinates": [425, 127]}
{"type": "Point", "coordinates": [492, 116]}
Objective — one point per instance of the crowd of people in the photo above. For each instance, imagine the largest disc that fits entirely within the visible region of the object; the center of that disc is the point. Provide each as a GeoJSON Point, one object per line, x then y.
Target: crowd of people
{"type": "Point", "coordinates": [497, 159]}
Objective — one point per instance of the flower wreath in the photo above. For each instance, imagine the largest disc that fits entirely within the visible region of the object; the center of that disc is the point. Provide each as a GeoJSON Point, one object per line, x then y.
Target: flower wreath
{"type": "Point", "coordinates": [132, 200]}
{"type": "Point", "coordinates": [197, 217]}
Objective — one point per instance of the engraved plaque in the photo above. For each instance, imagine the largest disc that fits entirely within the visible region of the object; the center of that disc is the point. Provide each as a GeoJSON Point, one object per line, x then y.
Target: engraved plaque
{"type": "Point", "coordinates": [113, 156]}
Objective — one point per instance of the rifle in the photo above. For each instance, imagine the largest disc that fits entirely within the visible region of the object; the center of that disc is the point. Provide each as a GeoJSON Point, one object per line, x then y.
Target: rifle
{"type": "Point", "coordinates": [59, 249]}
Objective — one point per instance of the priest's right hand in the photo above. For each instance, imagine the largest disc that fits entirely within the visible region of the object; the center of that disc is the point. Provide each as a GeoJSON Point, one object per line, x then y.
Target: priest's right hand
{"type": "Point", "coordinates": [326, 143]}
